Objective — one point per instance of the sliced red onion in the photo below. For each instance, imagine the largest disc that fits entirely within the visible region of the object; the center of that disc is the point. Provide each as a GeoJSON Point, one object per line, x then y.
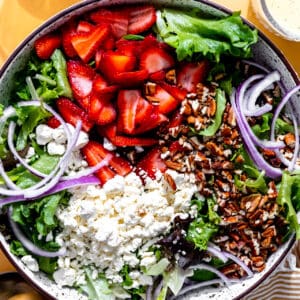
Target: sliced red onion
{"type": "Point", "coordinates": [7, 113]}
{"type": "Point", "coordinates": [158, 289]}
{"type": "Point", "coordinates": [256, 65]}
{"type": "Point", "coordinates": [251, 109]}
{"type": "Point", "coordinates": [240, 94]}
{"type": "Point", "coordinates": [196, 286]}
{"type": "Point", "coordinates": [13, 150]}
{"type": "Point", "coordinates": [215, 251]}
{"type": "Point", "coordinates": [31, 247]}
{"type": "Point", "coordinates": [34, 191]}
{"type": "Point", "coordinates": [61, 186]}
{"type": "Point", "coordinates": [239, 262]}
{"type": "Point", "coordinates": [257, 158]}
{"type": "Point", "coordinates": [211, 269]}
{"type": "Point", "coordinates": [90, 170]}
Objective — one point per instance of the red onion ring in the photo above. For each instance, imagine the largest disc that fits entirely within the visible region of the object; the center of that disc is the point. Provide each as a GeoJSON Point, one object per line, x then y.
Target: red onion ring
{"type": "Point", "coordinates": [257, 158]}
{"type": "Point", "coordinates": [61, 186]}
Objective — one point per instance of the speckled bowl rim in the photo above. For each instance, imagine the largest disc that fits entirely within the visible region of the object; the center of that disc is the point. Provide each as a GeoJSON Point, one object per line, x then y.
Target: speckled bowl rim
{"type": "Point", "coordinates": [288, 246]}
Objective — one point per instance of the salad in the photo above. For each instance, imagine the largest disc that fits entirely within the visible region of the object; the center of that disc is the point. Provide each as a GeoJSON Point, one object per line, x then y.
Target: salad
{"type": "Point", "coordinates": [145, 155]}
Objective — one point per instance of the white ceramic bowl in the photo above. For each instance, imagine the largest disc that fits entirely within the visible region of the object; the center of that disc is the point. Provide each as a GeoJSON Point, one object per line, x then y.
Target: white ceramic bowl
{"type": "Point", "coordinates": [265, 53]}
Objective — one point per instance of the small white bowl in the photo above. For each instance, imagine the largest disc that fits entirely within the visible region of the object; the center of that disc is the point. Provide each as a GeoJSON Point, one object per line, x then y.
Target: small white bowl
{"type": "Point", "coordinates": [280, 17]}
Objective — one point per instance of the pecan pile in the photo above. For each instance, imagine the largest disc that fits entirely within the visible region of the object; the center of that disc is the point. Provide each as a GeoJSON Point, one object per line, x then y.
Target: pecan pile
{"type": "Point", "coordinates": [252, 226]}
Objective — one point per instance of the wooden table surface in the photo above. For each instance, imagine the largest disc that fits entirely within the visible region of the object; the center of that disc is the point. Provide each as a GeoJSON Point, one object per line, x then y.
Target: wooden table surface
{"type": "Point", "coordinates": [19, 17]}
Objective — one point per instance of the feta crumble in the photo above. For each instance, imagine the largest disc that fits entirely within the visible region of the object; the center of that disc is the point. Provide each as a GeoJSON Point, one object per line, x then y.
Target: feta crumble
{"type": "Point", "coordinates": [106, 226]}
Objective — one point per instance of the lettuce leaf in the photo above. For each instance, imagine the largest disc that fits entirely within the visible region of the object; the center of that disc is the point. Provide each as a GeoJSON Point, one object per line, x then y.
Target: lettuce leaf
{"type": "Point", "coordinates": [49, 78]}
{"type": "Point", "coordinates": [221, 104]}
{"type": "Point", "coordinates": [205, 226]}
{"type": "Point", "coordinates": [96, 289]}
{"type": "Point", "coordinates": [288, 198]}
{"type": "Point", "coordinates": [189, 34]}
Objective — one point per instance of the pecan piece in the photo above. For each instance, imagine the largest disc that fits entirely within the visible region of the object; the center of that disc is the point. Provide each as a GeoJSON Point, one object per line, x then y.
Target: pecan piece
{"type": "Point", "coordinates": [250, 202]}
{"type": "Point", "coordinates": [169, 179]}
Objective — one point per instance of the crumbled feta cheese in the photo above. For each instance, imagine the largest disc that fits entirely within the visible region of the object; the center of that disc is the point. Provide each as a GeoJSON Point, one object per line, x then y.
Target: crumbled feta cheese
{"type": "Point", "coordinates": [30, 263]}
{"type": "Point", "coordinates": [54, 148]}
{"type": "Point", "coordinates": [43, 134]}
{"type": "Point", "coordinates": [106, 226]}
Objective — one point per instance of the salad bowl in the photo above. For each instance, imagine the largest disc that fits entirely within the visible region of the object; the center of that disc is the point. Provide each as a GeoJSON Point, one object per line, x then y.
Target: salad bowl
{"type": "Point", "coordinates": [265, 57]}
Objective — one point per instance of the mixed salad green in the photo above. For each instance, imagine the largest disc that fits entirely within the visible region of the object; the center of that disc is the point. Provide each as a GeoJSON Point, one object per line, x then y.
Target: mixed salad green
{"type": "Point", "coordinates": [96, 74]}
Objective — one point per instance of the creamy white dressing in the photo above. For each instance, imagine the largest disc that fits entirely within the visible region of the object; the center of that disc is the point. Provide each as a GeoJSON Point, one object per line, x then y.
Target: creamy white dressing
{"type": "Point", "coordinates": [285, 14]}
{"type": "Point", "coordinates": [279, 16]}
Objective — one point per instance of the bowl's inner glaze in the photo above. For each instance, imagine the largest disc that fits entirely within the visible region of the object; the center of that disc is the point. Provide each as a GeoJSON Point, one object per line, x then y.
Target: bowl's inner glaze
{"type": "Point", "coordinates": [264, 53]}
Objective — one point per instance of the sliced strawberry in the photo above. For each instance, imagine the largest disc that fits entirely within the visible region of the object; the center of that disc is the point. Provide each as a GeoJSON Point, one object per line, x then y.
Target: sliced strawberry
{"type": "Point", "coordinates": [73, 113]}
{"type": "Point", "coordinates": [127, 106]}
{"type": "Point", "coordinates": [109, 43]}
{"type": "Point", "coordinates": [151, 163]}
{"type": "Point", "coordinates": [98, 57]}
{"type": "Point", "coordinates": [175, 146]}
{"type": "Point", "coordinates": [81, 78]}
{"type": "Point", "coordinates": [166, 102]}
{"type": "Point", "coordinates": [117, 19]}
{"type": "Point", "coordinates": [87, 43]}
{"type": "Point", "coordinates": [101, 111]}
{"type": "Point", "coordinates": [53, 122]}
{"type": "Point", "coordinates": [136, 48]}
{"type": "Point", "coordinates": [110, 132]}
{"type": "Point", "coordinates": [151, 122]}
{"type": "Point", "coordinates": [84, 26]}
{"type": "Point", "coordinates": [130, 79]}
{"type": "Point", "coordinates": [93, 157]}
{"type": "Point", "coordinates": [144, 109]}
{"type": "Point", "coordinates": [175, 91]}
{"type": "Point", "coordinates": [68, 30]}
{"type": "Point", "coordinates": [45, 45]}
{"type": "Point", "coordinates": [190, 74]}
{"type": "Point", "coordinates": [84, 103]}
{"type": "Point", "coordinates": [156, 59]}
{"type": "Point", "coordinates": [117, 163]}
{"type": "Point", "coordinates": [112, 63]}
{"type": "Point", "coordinates": [176, 119]}
{"type": "Point", "coordinates": [158, 76]}
{"type": "Point", "coordinates": [141, 18]}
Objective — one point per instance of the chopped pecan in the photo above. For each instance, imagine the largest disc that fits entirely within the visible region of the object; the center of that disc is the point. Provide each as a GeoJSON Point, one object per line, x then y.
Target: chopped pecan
{"type": "Point", "coordinates": [174, 165]}
{"type": "Point", "coordinates": [250, 202]}
{"type": "Point", "coordinates": [169, 179]}
{"type": "Point", "coordinates": [150, 89]}
{"type": "Point", "coordinates": [212, 107]}
{"type": "Point", "coordinates": [171, 76]}
{"type": "Point", "coordinates": [214, 148]}
{"type": "Point", "coordinates": [290, 140]}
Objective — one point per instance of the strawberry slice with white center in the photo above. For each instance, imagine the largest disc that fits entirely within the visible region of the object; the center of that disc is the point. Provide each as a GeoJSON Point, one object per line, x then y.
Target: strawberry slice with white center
{"type": "Point", "coordinates": [72, 113]}
{"type": "Point", "coordinates": [166, 102]}
{"type": "Point", "coordinates": [45, 45]}
{"type": "Point", "coordinates": [155, 59]}
{"type": "Point", "coordinates": [141, 18]}
{"type": "Point", "coordinates": [68, 30]}
{"type": "Point", "coordinates": [112, 63]}
{"type": "Point", "coordinates": [152, 121]}
{"type": "Point", "coordinates": [110, 132]}
{"type": "Point", "coordinates": [191, 73]}
{"type": "Point", "coordinates": [95, 153]}
{"type": "Point", "coordinates": [81, 78]}
{"type": "Point", "coordinates": [127, 106]}
{"type": "Point", "coordinates": [117, 19]}
{"type": "Point", "coordinates": [151, 163]}
{"type": "Point", "coordinates": [87, 43]}
{"type": "Point", "coordinates": [101, 110]}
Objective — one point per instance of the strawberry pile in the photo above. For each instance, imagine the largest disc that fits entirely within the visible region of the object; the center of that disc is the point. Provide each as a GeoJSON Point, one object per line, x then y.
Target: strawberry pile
{"type": "Point", "coordinates": [113, 59]}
